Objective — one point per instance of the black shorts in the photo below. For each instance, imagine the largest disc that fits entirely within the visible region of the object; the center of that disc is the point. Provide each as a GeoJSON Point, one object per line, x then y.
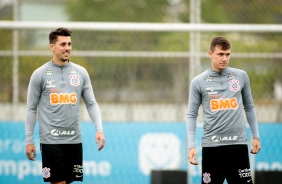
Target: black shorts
{"type": "Point", "coordinates": [62, 162]}
{"type": "Point", "coordinates": [226, 162]}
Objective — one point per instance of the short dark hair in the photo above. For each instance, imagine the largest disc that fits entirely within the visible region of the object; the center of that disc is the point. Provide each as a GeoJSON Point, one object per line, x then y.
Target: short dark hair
{"type": "Point", "coordinates": [58, 32]}
{"type": "Point", "coordinates": [219, 41]}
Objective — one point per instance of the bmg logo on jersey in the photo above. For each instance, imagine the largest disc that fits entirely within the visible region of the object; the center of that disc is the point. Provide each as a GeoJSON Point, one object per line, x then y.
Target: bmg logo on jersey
{"type": "Point", "coordinates": [223, 104]}
{"type": "Point", "coordinates": [159, 151]}
{"type": "Point", "coordinates": [63, 98]}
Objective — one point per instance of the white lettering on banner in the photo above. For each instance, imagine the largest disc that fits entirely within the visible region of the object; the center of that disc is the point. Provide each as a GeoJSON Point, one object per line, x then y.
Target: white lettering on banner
{"type": "Point", "coordinates": [159, 151]}
{"type": "Point", "coordinates": [93, 168]}
{"type": "Point", "coordinates": [24, 168]}
{"type": "Point", "coordinates": [14, 145]}
{"type": "Point", "coordinates": [266, 166]}
{"type": "Point", "coordinates": [20, 169]}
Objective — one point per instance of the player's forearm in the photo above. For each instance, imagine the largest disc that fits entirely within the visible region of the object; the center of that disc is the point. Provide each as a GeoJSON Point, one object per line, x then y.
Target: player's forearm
{"type": "Point", "coordinates": [252, 120]}
{"type": "Point", "coordinates": [29, 125]}
{"type": "Point", "coordinates": [95, 115]}
{"type": "Point", "coordinates": [191, 126]}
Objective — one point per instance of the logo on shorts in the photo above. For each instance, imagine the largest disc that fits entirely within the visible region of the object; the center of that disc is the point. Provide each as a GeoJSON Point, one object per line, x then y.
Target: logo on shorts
{"type": "Point", "coordinates": [244, 173]}
{"type": "Point", "coordinates": [206, 177]}
{"type": "Point", "coordinates": [46, 172]}
{"type": "Point", "coordinates": [79, 170]}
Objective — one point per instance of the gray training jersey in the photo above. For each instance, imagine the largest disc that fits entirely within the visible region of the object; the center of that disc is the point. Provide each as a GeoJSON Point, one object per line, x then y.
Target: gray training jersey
{"type": "Point", "coordinates": [224, 96]}
{"type": "Point", "coordinates": [55, 92]}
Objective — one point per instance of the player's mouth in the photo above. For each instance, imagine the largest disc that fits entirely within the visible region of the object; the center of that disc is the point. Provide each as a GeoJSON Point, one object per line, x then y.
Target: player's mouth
{"type": "Point", "coordinates": [66, 54]}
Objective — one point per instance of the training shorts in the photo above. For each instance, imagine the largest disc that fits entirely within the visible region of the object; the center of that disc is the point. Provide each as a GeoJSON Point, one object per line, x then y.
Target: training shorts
{"type": "Point", "coordinates": [62, 162]}
{"type": "Point", "coordinates": [226, 162]}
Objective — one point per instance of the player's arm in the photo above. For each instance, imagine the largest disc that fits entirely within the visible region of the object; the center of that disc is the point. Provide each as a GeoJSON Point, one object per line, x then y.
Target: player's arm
{"type": "Point", "coordinates": [33, 96]}
{"type": "Point", "coordinates": [93, 110]}
{"type": "Point", "coordinates": [251, 115]}
{"type": "Point", "coordinates": [192, 156]}
{"type": "Point", "coordinates": [194, 102]}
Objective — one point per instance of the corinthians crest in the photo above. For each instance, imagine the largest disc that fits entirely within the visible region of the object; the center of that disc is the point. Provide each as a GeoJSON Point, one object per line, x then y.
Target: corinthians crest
{"type": "Point", "coordinates": [74, 80]}
{"type": "Point", "coordinates": [46, 172]}
{"type": "Point", "coordinates": [234, 85]}
{"type": "Point", "coordinates": [206, 177]}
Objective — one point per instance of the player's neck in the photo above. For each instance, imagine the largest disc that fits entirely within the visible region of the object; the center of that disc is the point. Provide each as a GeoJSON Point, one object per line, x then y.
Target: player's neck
{"type": "Point", "coordinates": [60, 62]}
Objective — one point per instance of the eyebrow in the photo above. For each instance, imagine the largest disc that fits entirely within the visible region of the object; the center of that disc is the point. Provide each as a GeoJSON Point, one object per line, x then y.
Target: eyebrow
{"type": "Point", "coordinates": [65, 43]}
{"type": "Point", "coordinates": [222, 53]}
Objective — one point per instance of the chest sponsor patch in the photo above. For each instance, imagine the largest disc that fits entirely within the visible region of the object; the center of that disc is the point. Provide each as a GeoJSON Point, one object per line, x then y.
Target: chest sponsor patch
{"type": "Point", "coordinates": [231, 76]}
{"type": "Point", "coordinates": [63, 98]}
{"type": "Point", "coordinates": [73, 70]}
{"type": "Point", "coordinates": [223, 104]}
{"type": "Point", "coordinates": [208, 78]}
{"type": "Point", "coordinates": [49, 72]}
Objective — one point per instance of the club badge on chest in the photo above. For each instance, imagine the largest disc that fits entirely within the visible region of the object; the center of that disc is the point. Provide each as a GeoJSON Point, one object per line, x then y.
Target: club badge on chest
{"type": "Point", "coordinates": [234, 85]}
{"type": "Point", "coordinates": [74, 80]}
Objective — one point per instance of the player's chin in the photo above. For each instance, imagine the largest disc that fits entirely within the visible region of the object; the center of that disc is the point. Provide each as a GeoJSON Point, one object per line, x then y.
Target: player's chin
{"type": "Point", "coordinates": [223, 66]}
{"type": "Point", "coordinates": [65, 59]}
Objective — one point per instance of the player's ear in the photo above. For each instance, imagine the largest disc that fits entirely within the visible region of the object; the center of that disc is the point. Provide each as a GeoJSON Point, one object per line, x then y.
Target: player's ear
{"type": "Point", "coordinates": [51, 46]}
{"type": "Point", "coordinates": [210, 53]}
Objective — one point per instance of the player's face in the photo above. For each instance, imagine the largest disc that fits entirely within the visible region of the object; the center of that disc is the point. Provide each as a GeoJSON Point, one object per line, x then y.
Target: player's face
{"type": "Point", "coordinates": [61, 49]}
{"type": "Point", "coordinates": [219, 58]}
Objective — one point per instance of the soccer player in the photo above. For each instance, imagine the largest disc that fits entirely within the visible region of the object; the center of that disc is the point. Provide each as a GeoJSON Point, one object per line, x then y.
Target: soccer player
{"type": "Point", "coordinates": [224, 94]}
{"type": "Point", "coordinates": [55, 90]}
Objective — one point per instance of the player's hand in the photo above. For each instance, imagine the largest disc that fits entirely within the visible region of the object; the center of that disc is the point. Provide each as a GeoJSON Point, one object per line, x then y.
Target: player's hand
{"type": "Point", "coordinates": [256, 146]}
{"type": "Point", "coordinates": [100, 138]}
{"type": "Point", "coordinates": [192, 156]}
{"type": "Point", "coordinates": [30, 152]}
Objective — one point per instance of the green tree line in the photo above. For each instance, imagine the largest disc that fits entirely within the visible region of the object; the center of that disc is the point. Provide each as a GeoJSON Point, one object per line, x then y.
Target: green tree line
{"type": "Point", "coordinates": [131, 76]}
